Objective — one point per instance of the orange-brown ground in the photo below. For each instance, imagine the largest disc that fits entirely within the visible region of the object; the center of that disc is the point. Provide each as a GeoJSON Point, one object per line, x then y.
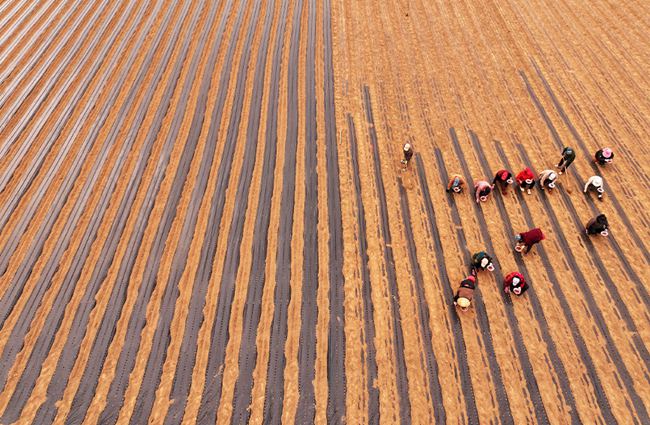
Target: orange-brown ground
{"type": "Point", "coordinates": [203, 216]}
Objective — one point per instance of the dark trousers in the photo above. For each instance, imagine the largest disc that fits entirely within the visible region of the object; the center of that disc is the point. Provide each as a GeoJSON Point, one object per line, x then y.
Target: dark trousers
{"type": "Point", "coordinates": [564, 164]}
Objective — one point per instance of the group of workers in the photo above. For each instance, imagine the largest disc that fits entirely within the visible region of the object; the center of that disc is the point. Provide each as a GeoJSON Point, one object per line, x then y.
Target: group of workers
{"type": "Point", "coordinates": [514, 282]}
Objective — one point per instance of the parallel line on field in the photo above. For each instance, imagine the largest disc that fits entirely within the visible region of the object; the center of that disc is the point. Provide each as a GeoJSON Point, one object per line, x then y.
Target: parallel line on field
{"type": "Point", "coordinates": [336, 376]}
{"type": "Point", "coordinates": [55, 316]}
{"type": "Point", "coordinates": [456, 324]}
{"type": "Point", "coordinates": [524, 360]}
{"type": "Point", "coordinates": [578, 339]}
{"type": "Point", "coordinates": [306, 410]}
{"type": "Point", "coordinates": [7, 15]}
{"type": "Point", "coordinates": [77, 331]}
{"type": "Point", "coordinates": [210, 404]}
{"type": "Point", "coordinates": [370, 360]}
{"type": "Point", "coordinates": [37, 32]}
{"type": "Point", "coordinates": [31, 87]}
{"type": "Point", "coordinates": [274, 391]}
{"type": "Point", "coordinates": [39, 158]}
{"type": "Point", "coordinates": [389, 261]}
{"type": "Point", "coordinates": [252, 309]}
{"type": "Point", "coordinates": [107, 330]}
{"type": "Point", "coordinates": [505, 414]}
{"type": "Point", "coordinates": [532, 296]}
{"type": "Point", "coordinates": [558, 142]}
{"type": "Point", "coordinates": [595, 311]}
{"type": "Point", "coordinates": [137, 321]}
{"type": "Point", "coordinates": [20, 277]}
{"type": "Point", "coordinates": [29, 25]}
{"type": "Point", "coordinates": [435, 389]}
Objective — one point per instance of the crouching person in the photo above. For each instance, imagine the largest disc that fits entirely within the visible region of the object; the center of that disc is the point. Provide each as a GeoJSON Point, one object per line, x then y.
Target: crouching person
{"type": "Point", "coordinates": [547, 179]}
{"type": "Point", "coordinates": [455, 184]}
{"type": "Point", "coordinates": [526, 240]}
{"type": "Point", "coordinates": [598, 226]}
{"type": "Point", "coordinates": [595, 183]}
{"type": "Point", "coordinates": [482, 261]}
{"type": "Point", "coordinates": [515, 283]}
{"type": "Point", "coordinates": [465, 292]}
{"type": "Point", "coordinates": [504, 178]}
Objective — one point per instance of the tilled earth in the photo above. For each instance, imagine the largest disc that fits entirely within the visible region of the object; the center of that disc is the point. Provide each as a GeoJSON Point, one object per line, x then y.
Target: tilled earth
{"type": "Point", "coordinates": [204, 218]}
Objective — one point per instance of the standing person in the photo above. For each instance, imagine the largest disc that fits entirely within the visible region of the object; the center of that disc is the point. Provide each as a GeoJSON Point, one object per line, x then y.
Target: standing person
{"type": "Point", "coordinates": [482, 190]}
{"type": "Point", "coordinates": [482, 261]}
{"type": "Point", "coordinates": [547, 178]}
{"type": "Point", "coordinates": [568, 156]}
{"type": "Point", "coordinates": [528, 239]}
{"type": "Point", "coordinates": [604, 156]}
{"type": "Point", "coordinates": [504, 178]}
{"type": "Point", "coordinates": [526, 179]}
{"type": "Point", "coordinates": [465, 292]}
{"type": "Point", "coordinates": [598, 226]}
{"type": "Point", "coordinates": [408, 154]}
{"type": "Point", "coordinates": [514, 282]}
{"type": "Point", "coordinates": [455, 184]}
{"type": "Point", "coordinates": [595, 183]}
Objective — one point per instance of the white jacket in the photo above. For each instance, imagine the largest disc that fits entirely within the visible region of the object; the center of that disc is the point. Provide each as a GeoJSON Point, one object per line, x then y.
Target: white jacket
{"type": "Point", "coordinates": [549, 175]}
{"type": "Point", "coordinates": [595, 181]}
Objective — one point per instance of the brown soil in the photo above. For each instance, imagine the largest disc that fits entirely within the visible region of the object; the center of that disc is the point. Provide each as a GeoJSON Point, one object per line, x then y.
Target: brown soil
{"type": "Point", "coordinates": [203, 215]}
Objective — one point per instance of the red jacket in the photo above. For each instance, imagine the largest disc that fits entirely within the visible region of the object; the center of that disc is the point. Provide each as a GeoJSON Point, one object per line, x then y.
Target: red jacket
{"type": "Point", "coordinates": [525, 174]}
{"type": "Point", "coordinates": [507, 283]}
{"type": "Point", "coordinates": [531, 237]}
{"type": "Point", "coordinates": [503, 175]}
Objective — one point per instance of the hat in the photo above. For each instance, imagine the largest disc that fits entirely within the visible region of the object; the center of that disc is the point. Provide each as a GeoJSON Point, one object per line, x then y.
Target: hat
{"type": "Point", "coordinates": [463, 302]}
{"type": "Point", "coordinates": [407, 147]}
{"type": "Point", "coordinates": [552, 176]}
{"type": "Point", "coordinates": [518, 237]}
{"type": "Point", "coordinates": [607, 152]}
{"type": "Point", "coordinates": [485, 262]}
{"type": "Point", "coordinates": [516, 281]}
{"type": "Point", "coordinates": [598, 181]}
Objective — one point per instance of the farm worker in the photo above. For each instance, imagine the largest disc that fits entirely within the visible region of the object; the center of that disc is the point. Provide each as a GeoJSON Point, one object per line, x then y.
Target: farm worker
{"type": "Point", "coordinates": [526, 179]}
{"type": "Point", "coordinates": [465, 292]}
{"type": "Point", "coordinates": [408, 154]}
{"type": "Point", "coordinates": [598, 226]}
{"type": "Point", "coordinates": [568, 156]}
{"type": "Point", "coordinates": [528, 239]}
{"type": "Point", "coordinates": [504, 178]}
{"type": "Point", "coordinates": [514, 282]}
{"type": "Point", "coordinates": [604, 156]}
{"type": "Point", "coordinates": [547, 178]}
{"type": "Point", "coordinates": [482, 190]}
{"type": "Point", "coordinates": [456, 184]}
{"type": "Point", "coordinates": [482, 261]}
{"type": "Point", "coordinates": [595, 183]}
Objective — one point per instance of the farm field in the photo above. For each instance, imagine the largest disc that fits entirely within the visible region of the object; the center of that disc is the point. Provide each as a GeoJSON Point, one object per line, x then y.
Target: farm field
{"type": "Point", "coordinates": [204, 217]}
